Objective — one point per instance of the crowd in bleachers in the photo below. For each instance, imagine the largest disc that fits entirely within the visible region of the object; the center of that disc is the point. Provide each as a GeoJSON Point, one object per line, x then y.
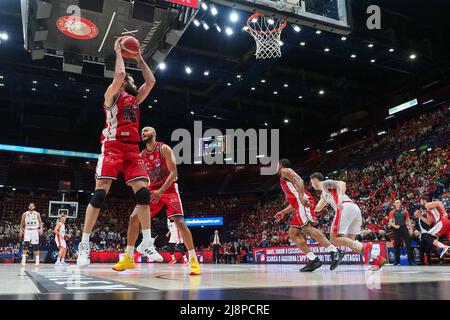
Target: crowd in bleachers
{"type": "Point", "coordinates": [374, 187]}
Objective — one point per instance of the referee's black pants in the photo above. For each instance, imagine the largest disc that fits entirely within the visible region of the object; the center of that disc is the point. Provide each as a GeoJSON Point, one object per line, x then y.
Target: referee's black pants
{"type": "Point", "coordinates": [399, 235]}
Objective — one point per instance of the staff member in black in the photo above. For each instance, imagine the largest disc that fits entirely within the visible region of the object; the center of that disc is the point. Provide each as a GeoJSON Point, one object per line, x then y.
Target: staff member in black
{"type": "Point", "coordinates": [215, 243]}
{"type": "Point", "coordinates": [400, 221]}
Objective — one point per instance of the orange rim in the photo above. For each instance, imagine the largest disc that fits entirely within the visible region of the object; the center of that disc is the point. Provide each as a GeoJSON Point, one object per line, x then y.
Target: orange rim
{"type": "Point", "coordinates": [257, 15]}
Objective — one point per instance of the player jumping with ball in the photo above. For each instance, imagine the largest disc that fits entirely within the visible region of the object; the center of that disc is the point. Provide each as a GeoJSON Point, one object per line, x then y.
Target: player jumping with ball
{"type": "Point", "coordinates": [120, 152]}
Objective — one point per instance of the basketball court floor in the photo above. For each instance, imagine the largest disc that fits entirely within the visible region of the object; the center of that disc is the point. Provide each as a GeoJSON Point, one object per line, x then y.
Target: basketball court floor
{"type": "Point", "coordinates": [223, 282]}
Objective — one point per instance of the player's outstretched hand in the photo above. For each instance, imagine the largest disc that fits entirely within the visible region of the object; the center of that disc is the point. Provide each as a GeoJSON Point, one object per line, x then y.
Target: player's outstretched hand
{"type": "Point", "coordinates": [278, 216]}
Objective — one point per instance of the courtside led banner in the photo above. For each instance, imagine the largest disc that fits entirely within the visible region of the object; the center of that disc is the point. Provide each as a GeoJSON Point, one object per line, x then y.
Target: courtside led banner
{"type": "Point", "coordinates": [293, 255]}
{"type": "Point", "coordinates": [206, 222]}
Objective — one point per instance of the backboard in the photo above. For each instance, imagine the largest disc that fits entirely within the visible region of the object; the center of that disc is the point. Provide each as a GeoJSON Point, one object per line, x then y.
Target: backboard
{"type": "Point", "coordinates": [56, 208]}
{"type": "Point", "coordinates": [329, 15]}
{"type": "Point", "coordinates": [85, 30]}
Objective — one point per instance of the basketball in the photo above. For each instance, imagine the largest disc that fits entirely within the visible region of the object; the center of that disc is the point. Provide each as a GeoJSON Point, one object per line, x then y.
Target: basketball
{"type": "Point", "coordinates": [130, 47]}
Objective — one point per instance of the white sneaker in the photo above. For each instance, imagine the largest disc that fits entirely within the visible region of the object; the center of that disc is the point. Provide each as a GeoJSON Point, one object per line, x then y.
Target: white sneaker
{"type": "Point", "coordinates": [63, 263]}
{"type": "Point", "coordinates": [83, 259]}
{"type": "Point", "coordinates": [58, 263]}
{"type": "Point", "coordinates": [148, 249]}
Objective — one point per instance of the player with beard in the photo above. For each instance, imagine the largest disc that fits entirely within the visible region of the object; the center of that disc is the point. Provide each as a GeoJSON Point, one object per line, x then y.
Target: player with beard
{"type": "Point", "coordinates": [120, 152]}
{"type": "Point", "coordinates": [161, 165]}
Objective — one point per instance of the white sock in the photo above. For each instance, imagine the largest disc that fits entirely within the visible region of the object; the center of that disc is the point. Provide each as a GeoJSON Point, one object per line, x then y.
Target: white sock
{"type": "Point", "coordinates": [130, 251]}
{"type": "Point", "coordinates": [357, 245]}
{"type": "Point", "coordinates": [58, 260]}
{"type": "Point", "coordinates": [85, 237]}
{"type": "Point", "coordinates": [62, 259]}
{"type": "Point", "coordinates": [311, 256]}
{"type": "Point", "coordinates": [192, 254]}
{"type": "Point", "coordinates": [173, 257]}
{"type": "Point", "coordinates": [185, 258]}
{"type": "Point", "coordinates": [37, 258]}
{"type": "Point", "coordinates": [331, 248]}
{"type": "Point", "coordinates": [146, 234]}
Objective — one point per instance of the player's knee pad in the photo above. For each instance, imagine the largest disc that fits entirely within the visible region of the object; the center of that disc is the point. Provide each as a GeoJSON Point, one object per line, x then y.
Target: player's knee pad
{"type": "Point", "coordinates": [143, 196]}
{"type": "Point", "coordinates": [26, 245]}
{"type": "Point", "coordinates": [35, 247]}
{"type": "Point", "coordinates": [98, 199]}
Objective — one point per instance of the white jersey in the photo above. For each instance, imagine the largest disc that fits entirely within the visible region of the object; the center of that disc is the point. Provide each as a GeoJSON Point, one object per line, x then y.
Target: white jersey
{"type": "Point", "coordinates": [329, 193]}
{"type": "Point", "coordinates": [62, 229]}
{"type": "Point", "coordinates": [175, 236]}
{"type": "Point", "coordinates": [32, 220]}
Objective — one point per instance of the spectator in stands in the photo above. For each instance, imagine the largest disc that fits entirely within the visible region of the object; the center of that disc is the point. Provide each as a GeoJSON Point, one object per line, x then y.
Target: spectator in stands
{"type": "Point", "coordinates": [400, 221]}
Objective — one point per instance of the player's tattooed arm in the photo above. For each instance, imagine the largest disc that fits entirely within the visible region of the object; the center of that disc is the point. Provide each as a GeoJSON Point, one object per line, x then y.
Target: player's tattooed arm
{"type": "Point", "coordinates": [149, 78]}
{"type": "Point", "coordinates": [340, 186]}
{"type": "Point", "coordinates": [119, 75]}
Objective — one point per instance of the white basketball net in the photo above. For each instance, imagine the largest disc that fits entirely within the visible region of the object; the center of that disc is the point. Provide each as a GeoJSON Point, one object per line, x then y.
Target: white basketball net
{"type": "Point", "coordinates": [267, 34]}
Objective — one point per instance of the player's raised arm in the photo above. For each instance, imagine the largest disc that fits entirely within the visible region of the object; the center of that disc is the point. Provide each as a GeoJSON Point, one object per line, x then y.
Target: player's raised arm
{"type": "Point", "coordinates": [436, 204]}
{"type": "Point", "coordinates": [149, 78]}
{"type": "Point", "coordinates": [119, 75]}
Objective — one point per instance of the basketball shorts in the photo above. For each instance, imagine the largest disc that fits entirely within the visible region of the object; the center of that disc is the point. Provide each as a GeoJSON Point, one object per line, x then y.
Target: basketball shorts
{"type": "Point", "coordinates": [32, 236]}
{"type": "Point", "coordinates": [347, 220]}
{"type": "Point", "coordinates": [60, 242]}
{"type": "Point", "coordinates": [119, 157]}
{"type": "Point", "coordinates": [302, 215]}
{"type": "Point", "coordinates": [171, 200]}
{"type": "Point", "coordinates": [441, 228]}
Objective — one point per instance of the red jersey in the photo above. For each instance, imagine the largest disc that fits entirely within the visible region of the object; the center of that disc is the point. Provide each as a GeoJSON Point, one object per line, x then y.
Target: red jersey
{"type": "Point", "coordinates": [156, 166]}
{"type": "Point", "coordinates": [438, 214]}
{"type": "Point", "coordinates": [122, 120]}
{"type": "Point", "coordinates": [292, 195]}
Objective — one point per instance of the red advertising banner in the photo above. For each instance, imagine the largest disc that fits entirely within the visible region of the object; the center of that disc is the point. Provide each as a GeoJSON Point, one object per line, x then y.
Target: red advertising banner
{"type": "Point", "coordinates": [187, 3]}
{"type": "Point", "coordinates": [293, 255]}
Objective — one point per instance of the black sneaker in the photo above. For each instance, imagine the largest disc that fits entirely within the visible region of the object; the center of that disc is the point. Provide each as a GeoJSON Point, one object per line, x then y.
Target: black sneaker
{"type": "Point", "coordinates": [336, 258]}
{"type": "Point", "coordinates": [312, 265]}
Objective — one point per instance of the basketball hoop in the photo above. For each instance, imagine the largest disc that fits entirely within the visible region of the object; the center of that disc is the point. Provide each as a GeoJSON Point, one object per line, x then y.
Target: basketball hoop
{"type": "Point", "coordinates": [267, 32]}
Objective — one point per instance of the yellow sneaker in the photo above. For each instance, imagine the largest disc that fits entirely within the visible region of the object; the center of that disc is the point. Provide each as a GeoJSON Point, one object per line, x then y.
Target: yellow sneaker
{"type": "Point", "coordinates": [195, 267]}
{"type": "Point", "coordinates": [124, 264]}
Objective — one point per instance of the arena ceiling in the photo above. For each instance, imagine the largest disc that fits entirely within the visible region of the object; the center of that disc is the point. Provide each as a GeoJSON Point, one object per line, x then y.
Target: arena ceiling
{"type": "Point", "coordinates": [317, 91]}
